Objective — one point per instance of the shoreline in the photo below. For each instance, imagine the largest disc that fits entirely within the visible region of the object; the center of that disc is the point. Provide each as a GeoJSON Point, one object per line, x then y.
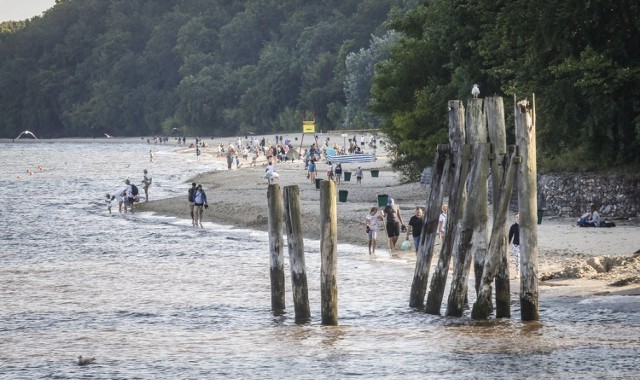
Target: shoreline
{"type": "Point", "coordinates": [575, 259]}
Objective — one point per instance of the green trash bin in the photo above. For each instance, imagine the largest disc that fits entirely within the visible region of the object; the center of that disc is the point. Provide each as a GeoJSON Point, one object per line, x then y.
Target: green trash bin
{"type": "Point", "coordinates": [382, 200]}
{"type": "Point", "coordinates": [318, 183]}
{"type": "Point", "coordinates": [540, 214]}
{"type": "Point", "coordinates": [347, 176]}
{"type": "Point", "coordinates": [375, 172]}
{"type": "Point", "coordinates": [342, 195]}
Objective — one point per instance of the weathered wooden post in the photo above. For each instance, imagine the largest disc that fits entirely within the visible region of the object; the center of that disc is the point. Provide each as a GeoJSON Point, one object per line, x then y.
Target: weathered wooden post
{"type": "Point", "coordinates": [296, 253]}
{"type": "Point", "coordinates": [497, 137]}
{"type": "Point", "coordinates": [468, 228]}
{"type": "Point", "coordinates": [525, 118]}
{"type": "Point", "coordinates": [461, 157]}
{"type": "Point", "coordinates": [276, 243]}
{"type": "Point", "coordinates": [497, 244]}
{"type": "Point", "coordinates": [476, 133]}
{"type": "Point", "coordinates": [329, 252]}
{"type": "Point", "coordinates": [439, 177]}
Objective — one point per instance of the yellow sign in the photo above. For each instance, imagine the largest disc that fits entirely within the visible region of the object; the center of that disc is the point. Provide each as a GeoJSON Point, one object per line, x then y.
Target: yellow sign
{"type": "Point", "coordinates": [308, 126]}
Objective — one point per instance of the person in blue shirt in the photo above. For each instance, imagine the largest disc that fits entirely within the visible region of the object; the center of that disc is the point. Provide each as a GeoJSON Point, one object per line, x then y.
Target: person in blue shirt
{"type": "Point", "coordinates": [200, 200]}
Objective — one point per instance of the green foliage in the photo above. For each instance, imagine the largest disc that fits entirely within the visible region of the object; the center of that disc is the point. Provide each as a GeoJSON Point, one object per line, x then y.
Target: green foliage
{"type": "Point", "coordinates": [207, 67]}
{"type": "Point", "coordinates": [580, 60]}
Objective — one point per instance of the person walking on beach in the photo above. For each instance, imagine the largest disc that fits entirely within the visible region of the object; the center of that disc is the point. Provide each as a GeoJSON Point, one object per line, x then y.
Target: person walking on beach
{"type": "Point", "coordinates": [371, 222]}
{"type": "Point", "coordinates": [359, 175]}
{"type": "Point", "coordinates": [200, 199]}
{"type": "Point", "coordinates": [415, 227]}
{"type": "Point", "coordinates": [442, 221]}
{"type": "Point", "coordinates": [329, 171]}
{"type": "Point", "coordinates": [146, 182]}
{"type": "Point", "coordinates": [312, 170]}
{"type": "Point", "coordinates": [338, 172]}
{"type": "Point", "coordinates": [192, 203]}
{"type": "Point", "coordinates": [271, 174]}
{"type": "Point", "coordinates": [394, 223]}
{"type": "Point", "coordinates": [514, 239]}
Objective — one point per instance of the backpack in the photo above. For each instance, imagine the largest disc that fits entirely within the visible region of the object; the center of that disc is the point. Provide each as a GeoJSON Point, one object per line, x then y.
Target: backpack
{"type": "Point", "coordinates": [134, 190]}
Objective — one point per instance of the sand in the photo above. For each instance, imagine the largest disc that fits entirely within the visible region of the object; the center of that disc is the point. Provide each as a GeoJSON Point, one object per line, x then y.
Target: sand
{"type": "Point", "coordinates": [582, 260]}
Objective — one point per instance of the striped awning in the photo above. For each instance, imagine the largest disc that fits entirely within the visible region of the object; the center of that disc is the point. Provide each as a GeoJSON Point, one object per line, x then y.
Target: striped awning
{"type": "Point", "coordinates": [350, 158]}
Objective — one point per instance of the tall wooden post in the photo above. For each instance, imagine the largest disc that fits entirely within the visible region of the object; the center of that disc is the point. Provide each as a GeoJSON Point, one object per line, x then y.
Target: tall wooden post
{"type": "Point", "coordinates": [525, 118]}
{"type": "Point", "coordinates": [497, 244]}
{"type": "Point", "coordinates": [497, 137]}
{"type": "Point", "coordinates": [276, 243]}
{"type": "Point", "coordinates": [476, 133]}
{"type": "Point", "coordinates": [329, 252]}
{"type": "Point", "coordinates": [467, 242]}
{"type": "Point", "coordinates": [439, 177]}
{"type": "Point", "coordinates": [461, 156]}
{"type": "Point", "coordinates": [297, 265]}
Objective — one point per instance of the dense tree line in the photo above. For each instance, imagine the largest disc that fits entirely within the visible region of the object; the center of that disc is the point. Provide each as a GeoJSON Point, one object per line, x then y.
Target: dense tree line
{"type": "Point", "coordinates": [580, 58]}
{"type": "Point", "coordinates": [206, 67]}
{"type": "Point", "coordinates": [220, 67]}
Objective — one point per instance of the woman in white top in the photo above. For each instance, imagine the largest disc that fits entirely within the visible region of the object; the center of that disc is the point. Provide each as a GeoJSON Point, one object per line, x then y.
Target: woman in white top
{"type": "Point", "coordinates": [442, 221]}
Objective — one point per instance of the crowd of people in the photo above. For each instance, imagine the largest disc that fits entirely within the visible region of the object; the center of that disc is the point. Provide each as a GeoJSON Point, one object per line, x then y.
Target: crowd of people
{"type": "Point", "coordinates": [128, 195]}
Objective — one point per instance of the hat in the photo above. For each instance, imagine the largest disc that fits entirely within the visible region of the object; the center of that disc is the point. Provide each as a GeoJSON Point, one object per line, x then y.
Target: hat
{"type": "Point", "coordinates": [390, 202]}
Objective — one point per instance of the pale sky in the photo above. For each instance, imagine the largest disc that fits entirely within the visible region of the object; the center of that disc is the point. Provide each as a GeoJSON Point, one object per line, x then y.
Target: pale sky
{"type": "Point", "coordinates": [16, 10]}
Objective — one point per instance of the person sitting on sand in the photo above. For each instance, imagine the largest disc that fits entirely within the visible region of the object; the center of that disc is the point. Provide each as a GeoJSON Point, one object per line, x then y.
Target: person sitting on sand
{"type": "Point", "coordinates": [590, 219]}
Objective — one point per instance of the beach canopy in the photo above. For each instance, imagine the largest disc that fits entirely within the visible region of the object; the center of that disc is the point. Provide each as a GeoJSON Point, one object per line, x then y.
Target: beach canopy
{"type": "Point", "coordinates": [349, 158]}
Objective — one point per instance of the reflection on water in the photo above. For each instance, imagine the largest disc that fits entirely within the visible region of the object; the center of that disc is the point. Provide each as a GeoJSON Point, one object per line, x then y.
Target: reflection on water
{"type": "Point", "coordinates": [152, 297]}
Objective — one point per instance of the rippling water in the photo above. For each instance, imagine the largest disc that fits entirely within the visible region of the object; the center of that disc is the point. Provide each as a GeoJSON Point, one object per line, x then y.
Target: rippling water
{"type": "Point", "coordinates": [153, 297]}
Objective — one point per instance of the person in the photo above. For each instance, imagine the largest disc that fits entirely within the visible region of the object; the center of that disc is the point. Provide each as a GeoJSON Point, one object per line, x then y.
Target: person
{"type": "Point", "coordinates": [192, 204]}
{"type": "Point", "coordinates": [200, 200]}
{"type": "Point", "coordinates": [514, 239]}
{"type": "Point", "coordinates": [146, 182]}
{"type": "Point", "coordinates": [312, 170]}
{"type": "Point", "coordinates": [338, 172]}
{"type": "Point", "coordinates": [591, 218]}
{"type": "Point", "coordinates": [359, 175]}
{"type": "Point", "coordinates": [109, 202]}
{"type": "Point", "coordinates": [415, 227]}
{"type": "Point", "coordinates": [150, 156]}
{"type": "Point", "coordinates": [394, 223]}
{"type": "Point", "coordinates": [129, 197]}
{"type": "Point", "coordinates": [329, 171]}
{"type": "Point", "coordinates": [442, 221]}
{"type": "Point", "coordinates": [371, 222]}
{"type": "Point", "coordinates": [271, 174]}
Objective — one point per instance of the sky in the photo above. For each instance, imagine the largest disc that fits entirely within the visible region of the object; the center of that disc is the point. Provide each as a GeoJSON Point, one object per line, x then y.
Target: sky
{"type": "Point", "coordinates": [15, 10]}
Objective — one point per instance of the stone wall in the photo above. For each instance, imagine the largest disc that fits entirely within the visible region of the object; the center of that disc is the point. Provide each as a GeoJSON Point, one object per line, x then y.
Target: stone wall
{"type": "Point", "coordinates": [615, 196]}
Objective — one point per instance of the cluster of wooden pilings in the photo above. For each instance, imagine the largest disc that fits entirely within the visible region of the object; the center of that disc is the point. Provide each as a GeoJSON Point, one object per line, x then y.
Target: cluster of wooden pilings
{"type": "Point", "coordinates": [289, 211]}
{"type": "Point", "coordinates": [478, 150]}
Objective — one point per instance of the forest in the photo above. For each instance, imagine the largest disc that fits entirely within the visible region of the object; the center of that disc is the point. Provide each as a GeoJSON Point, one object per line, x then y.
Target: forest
{"type": "Point", "coordinates": [222, 68]}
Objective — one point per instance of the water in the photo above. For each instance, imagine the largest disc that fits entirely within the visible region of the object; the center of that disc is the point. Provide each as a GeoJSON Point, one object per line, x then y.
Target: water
{"type": "Point", "coordinates": [153, 297]}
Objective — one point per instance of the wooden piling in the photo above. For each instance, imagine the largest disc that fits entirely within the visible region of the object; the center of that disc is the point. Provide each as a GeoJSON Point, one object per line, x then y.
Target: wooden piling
{"type": "Point", "coordinates": [527, 207]}
{"type": "Point", "coordinates": [494, 109]}
{"type": "Point", "coordinates": [468, 228]}
{"type": "Point", "coordinates": [461, 157]}
{"type": "Point", "coordinates": [329, 252]}
{"type": "Point", "coordinates": [276, 243]}
{"type": "Point", "coordinates": [497, 244]}
{"type": "Point", "coordinates": [476, 133]}
{"type": "Point", "coordinates": [295, 243]}
{"type": "Point", "coordinates": [439, 178]}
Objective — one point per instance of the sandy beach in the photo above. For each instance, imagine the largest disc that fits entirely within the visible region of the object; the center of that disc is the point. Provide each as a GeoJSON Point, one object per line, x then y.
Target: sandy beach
{"type": "Point", "coordinates": [572, 259]}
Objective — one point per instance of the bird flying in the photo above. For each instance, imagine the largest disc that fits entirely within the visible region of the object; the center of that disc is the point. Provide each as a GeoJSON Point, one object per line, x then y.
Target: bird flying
{"type": "Point", "coordinates": [108, 136]}
{"type": "Point", "coordinates": [475, 91]}
{"type": "Point", "coordinates": [26, 133]}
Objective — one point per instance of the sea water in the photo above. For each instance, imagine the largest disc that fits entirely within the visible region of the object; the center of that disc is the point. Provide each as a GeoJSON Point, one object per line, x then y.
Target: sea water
{"type": "Point", "coordinates": [153, 297]}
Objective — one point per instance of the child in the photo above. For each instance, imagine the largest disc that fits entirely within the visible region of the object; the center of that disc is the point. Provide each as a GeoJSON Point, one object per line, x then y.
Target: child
{"type": "Point", "coordinates": [359, 175]}
{"type": "Point", "coordinates": [109, 201]}
{"type": "Point", "coordinates": [371, 222]}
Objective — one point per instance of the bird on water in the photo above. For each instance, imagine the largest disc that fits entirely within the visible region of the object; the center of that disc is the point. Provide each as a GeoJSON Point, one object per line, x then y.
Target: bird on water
{"type": "Point", "coordinates": [85, 361]}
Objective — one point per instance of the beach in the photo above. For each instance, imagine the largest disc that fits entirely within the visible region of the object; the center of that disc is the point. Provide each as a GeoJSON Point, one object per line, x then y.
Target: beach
{"type": "Point", "coordinates": [571, 259]}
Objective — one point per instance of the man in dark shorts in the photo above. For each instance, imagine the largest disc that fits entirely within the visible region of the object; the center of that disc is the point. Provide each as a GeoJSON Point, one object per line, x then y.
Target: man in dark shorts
{"type": "Point", "coordinates": [394, 223]}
